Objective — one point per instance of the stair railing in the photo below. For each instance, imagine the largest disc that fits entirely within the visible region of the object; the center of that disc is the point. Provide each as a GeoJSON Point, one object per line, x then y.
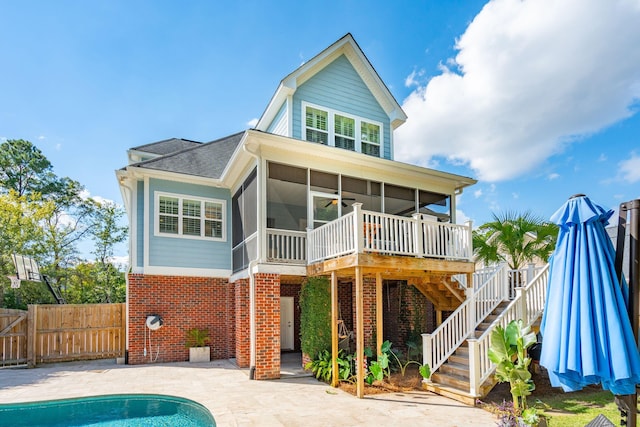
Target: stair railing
{"type": "Point", "coordinates": [481, 300]}
{"type": "Point", "coordinates": [528, 305]}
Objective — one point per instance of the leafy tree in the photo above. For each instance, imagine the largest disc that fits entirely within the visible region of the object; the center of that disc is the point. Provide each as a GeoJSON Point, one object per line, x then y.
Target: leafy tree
{"type": "Point", "coordinates": [515, 238]}
{"type": "Point", "coordinates": [68, 224]}
{"type": "Point", "coordinates": [20, 220]}
{"type": "Point", "coordinates": [47, 217]}
{"type": "Point", "coordinates": [24, 169]}
{"type": "Point", "coordinates": [106, 234]}
{"type": "Point", "coordinates": [86, 284]}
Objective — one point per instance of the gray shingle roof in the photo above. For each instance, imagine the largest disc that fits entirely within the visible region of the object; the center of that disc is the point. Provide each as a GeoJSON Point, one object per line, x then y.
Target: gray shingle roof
{"type": "Point", "coordinates": [206, 160]}
{"type": "Point", "coordinates": [167, 146]}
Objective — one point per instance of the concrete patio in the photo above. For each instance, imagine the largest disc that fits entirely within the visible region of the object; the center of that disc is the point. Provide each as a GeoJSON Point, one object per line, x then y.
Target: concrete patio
{"type": "Point", "coordinates": [234, 400]}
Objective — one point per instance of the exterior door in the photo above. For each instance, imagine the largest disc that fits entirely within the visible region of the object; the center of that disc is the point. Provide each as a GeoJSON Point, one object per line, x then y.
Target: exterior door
{"type": "Point", "coordinates": [324, 208]}
{"type": "Point", "coordinates": [286, 323]}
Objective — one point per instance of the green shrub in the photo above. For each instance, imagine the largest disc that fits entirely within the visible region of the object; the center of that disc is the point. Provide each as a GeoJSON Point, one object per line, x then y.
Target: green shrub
{"type": "Point", "coordinates": [315, 316]}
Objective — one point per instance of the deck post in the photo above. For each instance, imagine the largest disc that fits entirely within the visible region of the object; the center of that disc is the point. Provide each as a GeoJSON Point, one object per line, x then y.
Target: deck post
{"type": "Point", "coordinates": [379, 322]}
{"type": "Point", "coordinates": [506, 284]}
{"type": "Point", "coordinates": [469, 248]}
{"type": "Point", "coordinates": [418, 235]}
{"type": "Point", "coordinates": [522, 305]}
{"type": "Point", "coordinates": [358, 227]}
{"type": "Point", "coordinates": [474, 367]}
{"type": "Point", "coordinates": [427, 354]}
{"type": "Point", "coordinates": [334, 329]}
{"type": "Point", "coordinates": [359, 334]}
{"type": "Point", "coordinates": [531, 272]}
{"type": "Point", "coordinates": [471, 311]}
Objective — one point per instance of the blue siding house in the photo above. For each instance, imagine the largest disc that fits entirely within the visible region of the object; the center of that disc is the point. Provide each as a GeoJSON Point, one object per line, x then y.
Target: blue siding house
{"type": "Point", "coordinates": [223, 233]}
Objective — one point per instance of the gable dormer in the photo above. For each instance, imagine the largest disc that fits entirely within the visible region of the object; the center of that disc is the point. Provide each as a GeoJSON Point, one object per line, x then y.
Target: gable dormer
{"type": "Point", "coordinates": [336, 99]}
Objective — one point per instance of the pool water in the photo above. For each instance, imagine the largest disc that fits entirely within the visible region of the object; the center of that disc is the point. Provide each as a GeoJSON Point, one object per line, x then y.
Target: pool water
{"type": "Point", "coordinates": [119, 410]}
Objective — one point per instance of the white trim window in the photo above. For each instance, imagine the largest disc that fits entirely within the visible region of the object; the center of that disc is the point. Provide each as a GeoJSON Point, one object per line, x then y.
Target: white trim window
{"type": "Point", "coordinates": [189, 217]}
{"type": "Point", "coordinates": [336, 129]}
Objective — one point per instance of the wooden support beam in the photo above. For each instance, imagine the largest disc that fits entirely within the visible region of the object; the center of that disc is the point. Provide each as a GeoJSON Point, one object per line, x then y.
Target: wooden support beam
{"type": "Point", "coordinates": [438, 317]}
{"type": "Point", "coordinates": [379, 320]}
{"type": "Point", "coordinates": [453, 290]}
{"type": "Point", "coordinates": [359, 334]}
{"type": "Point", "coordinates": [389, 265]}
{"type": "Point", "coordinates": [334, 329]}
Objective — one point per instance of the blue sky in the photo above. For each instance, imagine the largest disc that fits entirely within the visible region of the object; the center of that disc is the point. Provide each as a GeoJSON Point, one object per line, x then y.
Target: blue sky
{"type": "Point", "coordinates": [538, 100]}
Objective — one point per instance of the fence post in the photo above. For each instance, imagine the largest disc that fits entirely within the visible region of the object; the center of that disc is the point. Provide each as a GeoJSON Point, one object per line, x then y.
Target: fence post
{"type": "Point", "coordinates": [32, 311]}
{"type": "Point", "coordinates": [474, 367]}
{"type": "Point", "coordinates": [427, 352]}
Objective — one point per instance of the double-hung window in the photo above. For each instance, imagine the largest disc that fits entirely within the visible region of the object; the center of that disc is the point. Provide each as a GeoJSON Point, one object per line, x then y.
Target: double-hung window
{"type": "Point", "coordinates": [336, 129]}
{"type": "Point", "coordinates": [370, 137]}
{"type": "Point", "coordinates": [317, 126]}
{"type": "Point", "coordinates": [188, 216]}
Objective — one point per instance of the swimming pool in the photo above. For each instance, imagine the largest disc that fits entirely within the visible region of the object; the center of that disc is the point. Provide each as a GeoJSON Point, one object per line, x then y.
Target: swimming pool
{"type": "Point", "coordinates": [118, 410]}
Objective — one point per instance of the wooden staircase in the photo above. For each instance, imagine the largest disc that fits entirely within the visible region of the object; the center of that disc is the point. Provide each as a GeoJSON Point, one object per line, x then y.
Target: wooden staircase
{"type": "Point", "coordinates": [452, 379]}
{"type": "Point", "coordinates": [445, 293]}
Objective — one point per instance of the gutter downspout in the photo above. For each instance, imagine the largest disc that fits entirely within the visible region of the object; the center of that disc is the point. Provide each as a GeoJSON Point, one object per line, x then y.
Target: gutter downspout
{"type": "Point", "coordinates": [252, 282]}
{"type": "Point", "coordinates": [127, 194]}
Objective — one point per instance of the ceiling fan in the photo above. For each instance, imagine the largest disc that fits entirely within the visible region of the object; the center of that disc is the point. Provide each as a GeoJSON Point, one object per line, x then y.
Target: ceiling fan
{"type": "Point", "coordinates": [335, 201]}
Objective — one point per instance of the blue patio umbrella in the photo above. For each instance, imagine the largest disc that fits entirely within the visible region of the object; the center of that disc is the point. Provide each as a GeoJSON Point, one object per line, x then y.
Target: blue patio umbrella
{"type": "Point", "coordinates": [586, 332]}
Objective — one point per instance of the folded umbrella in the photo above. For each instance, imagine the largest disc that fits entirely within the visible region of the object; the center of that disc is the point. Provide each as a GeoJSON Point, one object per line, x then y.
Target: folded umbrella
{"type": "Point", "coordinates": [587, 335]}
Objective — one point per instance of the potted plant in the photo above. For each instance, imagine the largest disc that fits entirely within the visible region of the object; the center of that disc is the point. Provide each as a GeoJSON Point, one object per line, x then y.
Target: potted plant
{"type": "Point", "coordinates": [197, 340]}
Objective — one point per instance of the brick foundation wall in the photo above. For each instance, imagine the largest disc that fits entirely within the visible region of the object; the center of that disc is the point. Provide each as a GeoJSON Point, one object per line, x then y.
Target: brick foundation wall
{"type": "Point", "coordinates": [184, 303]}
{"type": "Point", "coordinates": [267, 326]}
{"type": "Point", "coordinates": [243, 326]}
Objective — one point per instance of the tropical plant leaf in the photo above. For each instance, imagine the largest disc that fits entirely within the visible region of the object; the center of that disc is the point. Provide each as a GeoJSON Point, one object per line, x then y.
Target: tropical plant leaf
{"type": "Point", "coordinates": [425, 371]}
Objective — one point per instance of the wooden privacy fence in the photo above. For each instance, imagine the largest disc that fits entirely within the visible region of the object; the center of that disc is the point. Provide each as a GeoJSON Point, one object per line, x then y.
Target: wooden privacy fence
{"type": "Point", "coordinates": [13, 337]}
{"type": "Point", "coordinates": [59, 333]}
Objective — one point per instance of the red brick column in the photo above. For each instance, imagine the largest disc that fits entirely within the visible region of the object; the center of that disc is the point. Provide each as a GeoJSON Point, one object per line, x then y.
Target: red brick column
{"type": "Point", "coordinates": [369, 304]}
{"type": "Point", "coordinates": [267, 326]}
{"type": "Point", "coordinates": [242, 323]}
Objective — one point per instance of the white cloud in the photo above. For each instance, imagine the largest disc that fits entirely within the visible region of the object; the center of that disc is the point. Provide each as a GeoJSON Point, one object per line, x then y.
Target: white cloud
{"type": "Point", "coordinates": [477, 193]}
{"type": "Point", "coordinates": [529, 78]}
{"type": "Point", "coordinates": [85, 194]}
{"type": "Point", "coordinates": [414, 79]}
{"type": "Point", "coordinates": [461, 218]}
{"type": "Point", "coordinates": [121, 262]}
{"type": "Point", "coordinates": [602, 158]}
{"type": "Point", "coordinates": [553, 176]}
{"type": "Point", "coordinates": [41, 138]}
{"type": "Point", "coordinates": [630, 169]}
{"type": "Point", "coordinates": [252, 123]}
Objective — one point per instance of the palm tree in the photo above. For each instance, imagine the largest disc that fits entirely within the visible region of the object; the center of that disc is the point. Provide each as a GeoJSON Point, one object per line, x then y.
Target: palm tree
{"type": "Point", "coordinates": [515, 238]}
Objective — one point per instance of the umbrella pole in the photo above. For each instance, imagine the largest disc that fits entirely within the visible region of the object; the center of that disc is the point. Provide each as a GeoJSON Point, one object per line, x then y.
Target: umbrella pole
{"type": "Point", "coordinates": [627, 404]}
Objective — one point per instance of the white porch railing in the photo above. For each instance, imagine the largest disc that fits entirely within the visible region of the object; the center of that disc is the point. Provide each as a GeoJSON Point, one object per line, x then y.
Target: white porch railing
{"type": "Point", "coordinates": [366, 231]}
{"type": "Point", "coordinates": [527, 305]}
{"type": "Point", "coordinates": [521, 277]}
{"type": "Point", "coordinates": [481, 300]}
{"type": "Point", "coordinates": [286, 246]}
